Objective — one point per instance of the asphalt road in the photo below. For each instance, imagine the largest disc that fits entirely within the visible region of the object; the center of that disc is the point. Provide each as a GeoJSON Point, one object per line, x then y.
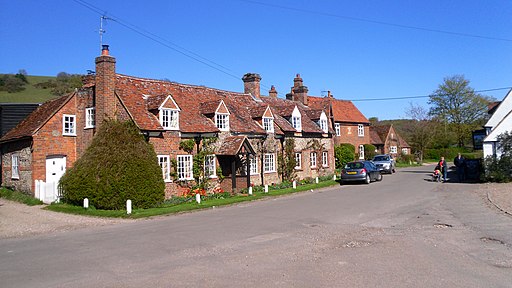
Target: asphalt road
{"type": "Point", "coordinates": [402, 232]}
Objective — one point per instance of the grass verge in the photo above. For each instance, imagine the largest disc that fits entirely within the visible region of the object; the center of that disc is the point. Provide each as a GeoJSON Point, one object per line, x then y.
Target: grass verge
{"type": "Point", "coordinates": [184, 207]}
{"type": "Point", "coordinates": [19, 197]}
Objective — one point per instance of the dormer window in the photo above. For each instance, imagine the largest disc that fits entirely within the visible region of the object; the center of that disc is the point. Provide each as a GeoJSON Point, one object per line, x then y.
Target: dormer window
{"type": "Point", "coordinates": [222, 121]}
{"type": "Point", "coordinates": [169, 114]}
{"type": "Point", "coordinates": [169, 118]}
{"type": "Point", "coordinates": [296, 120]}
{"type": "Point", "coordinates": [323, 123]}
{"type": "Point", "coordinates": [222, 117]}
{"type": "Point", "coordinates": [268, 124]}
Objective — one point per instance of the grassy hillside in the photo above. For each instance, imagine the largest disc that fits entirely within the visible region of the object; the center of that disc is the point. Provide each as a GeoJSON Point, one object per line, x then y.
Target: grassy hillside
{"type": "Point", "coordinates": [31, 94]}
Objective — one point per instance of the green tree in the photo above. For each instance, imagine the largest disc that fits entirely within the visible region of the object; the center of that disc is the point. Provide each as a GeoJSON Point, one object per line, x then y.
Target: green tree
{"type": "Point", "coordinates": [457, 104]}
{"type": "Point", "coordinates": [117, 166]}
{"type": "Point", "coordinates": [344, 153]}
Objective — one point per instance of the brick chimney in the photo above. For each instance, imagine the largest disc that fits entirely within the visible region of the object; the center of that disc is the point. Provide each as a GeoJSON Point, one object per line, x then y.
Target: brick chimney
{"type": "Point", "coordinates": [299, 91]}
{"type": "Point", "coordinates": [105, 85]}
{"type": "Point", "coordinates": [252, 84]}
{"type": "Point", "coordinates": [272, 92]}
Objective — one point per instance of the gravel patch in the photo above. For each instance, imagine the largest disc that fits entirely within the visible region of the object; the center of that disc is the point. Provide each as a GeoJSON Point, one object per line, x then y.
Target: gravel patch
{"type": "Point", "coordinates": [499, 194]}
{"type": "Point", "coordinates": [19, 220]}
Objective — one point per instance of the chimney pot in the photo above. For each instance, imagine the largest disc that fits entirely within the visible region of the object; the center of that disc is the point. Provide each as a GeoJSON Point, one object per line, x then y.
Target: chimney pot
{"type": "Point", "coordinates": [273, 92]}
{"type": "Point", "coordinates": [104, 50]}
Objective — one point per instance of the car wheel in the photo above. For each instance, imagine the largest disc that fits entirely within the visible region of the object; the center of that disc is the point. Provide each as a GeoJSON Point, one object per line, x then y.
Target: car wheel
{"type": "Point", "coordinates": [379, 177]}
{"type": "Point", "coordinates": [367, 180]}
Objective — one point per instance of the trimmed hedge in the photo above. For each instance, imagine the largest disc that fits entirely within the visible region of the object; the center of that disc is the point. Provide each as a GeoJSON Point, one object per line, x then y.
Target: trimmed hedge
{"type": "Point", "coordinates": [117, 166]}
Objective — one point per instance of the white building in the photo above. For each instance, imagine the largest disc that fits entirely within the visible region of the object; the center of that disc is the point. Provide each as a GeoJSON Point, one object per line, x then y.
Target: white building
{"type": "Point", "coordinates": [500, 122]}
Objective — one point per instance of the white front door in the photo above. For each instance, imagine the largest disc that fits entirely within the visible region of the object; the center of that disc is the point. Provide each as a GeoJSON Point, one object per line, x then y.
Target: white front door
{"type": "Point", "coordinates": [55, 168]}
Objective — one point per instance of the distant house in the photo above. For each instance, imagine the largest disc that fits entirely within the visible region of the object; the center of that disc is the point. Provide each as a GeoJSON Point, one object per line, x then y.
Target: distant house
{"type": "Point", "coordinates": [388, 141]}
{"type": "Point", "coordinates": [349, 125]}
{"type": "Point", "coordinates": [499, 123]}
{"type": "Point", "coordinates": [245, 133]}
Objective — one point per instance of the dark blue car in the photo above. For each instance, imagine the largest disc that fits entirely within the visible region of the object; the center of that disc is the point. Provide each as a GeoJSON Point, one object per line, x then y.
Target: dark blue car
{"type": "Point", "coordinates": [363, 171]}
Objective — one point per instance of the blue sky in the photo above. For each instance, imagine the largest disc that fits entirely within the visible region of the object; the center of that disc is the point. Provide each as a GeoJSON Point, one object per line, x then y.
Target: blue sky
{"type": "Point", "coordinates": [356, 49]}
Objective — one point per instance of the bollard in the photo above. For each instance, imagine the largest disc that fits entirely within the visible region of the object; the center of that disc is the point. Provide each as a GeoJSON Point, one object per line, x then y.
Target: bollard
{"type": "Point", "coordinates": [128, 206]}
{"type": "Point", "coordinates": [294, 184]}
{"type": "Point", "coordinates": [198, 198]}
{"type": "Point", "coordinates": [86, 203]}
{"type": "Point", "coordinates": [316, 180]}
{"type": "Point", "coordinates": [334, 177]}
{"type": "Point", "coordinates": [266, 188]}
{"type": "Point", "coordinates": [250, 190]}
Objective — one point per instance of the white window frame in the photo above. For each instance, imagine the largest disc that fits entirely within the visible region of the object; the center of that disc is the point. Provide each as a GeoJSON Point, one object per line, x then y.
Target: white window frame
{"type": "Point", "coordinates": [165, 164]}
{"type": "Point", "coordinates": [254, 166]}
{"type": "Point", "coordinates": [169, 118]}
{"type": "Point", "coordinates": [405, 151]}
{"type": "Point", "coordinates": [90, 117]}
{"type": "Point", "coordinates": [268, 124]}
{"type": "Point", "coordinates": [312, 159]}
{"type": "Point", "coordinates": [15, 166]}
{"type": "Point", "coordinates": [325, 159]}
{"type": "Point", "coordinates": [185, 167]}
{"type": "Point", "coordinates": [68, 125]}
{"type": "Point", "coordinates": [361, 152]}
{"type": "Point", "coordinates": [337, 128]}
{"type": "Point", "coordinates": [323, 123]}
{"type": "Point", "coordinates": [393, 149]}
{"type": "Point", "coordinates": [210, 167]}
{"type": "Point", "coordinates": [269, 163]}
{"type": "Point", "coordinates": [360, 130]}
{"type": "Point", "coordinates": [298, 160]}
{"type": "Point", "coordinates": [296, 120]}
{"type": "Point", "coordinates": [222, 121]}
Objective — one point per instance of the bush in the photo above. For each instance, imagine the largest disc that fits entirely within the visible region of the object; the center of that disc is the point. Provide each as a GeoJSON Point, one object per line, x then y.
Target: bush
{"type": "Point", "coordinates": [344, 153]}
{"type": "Point", "coordinates": [117, 166]}
{"type": "Point", "coordinates": [448, 153]}
{"type": "Point", "coordinates": [405, 158]}
{"type": "Point", "coordinates": [498, 169]}
{"type": "Point", "coordinates": [369, 151]}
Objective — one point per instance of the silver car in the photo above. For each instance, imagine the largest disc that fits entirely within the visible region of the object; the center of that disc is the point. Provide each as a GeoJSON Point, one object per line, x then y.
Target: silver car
{"type": "Point", "coordinates": [385, 163]}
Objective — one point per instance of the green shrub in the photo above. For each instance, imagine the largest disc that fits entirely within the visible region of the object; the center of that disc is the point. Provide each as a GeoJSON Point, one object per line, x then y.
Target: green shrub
{"type": "Point", "coordinates": [405, 158]}
{"type": "Point", "coordinates": [344, 153]}
{"type": "Point", "coordinates": [498, 169]}
{"type": "Point", "coordinates": [448, 153]}
{"type": "Point", "coordinates": [369, 151]}
{"type": "Point", "coordinates": [117, 166]}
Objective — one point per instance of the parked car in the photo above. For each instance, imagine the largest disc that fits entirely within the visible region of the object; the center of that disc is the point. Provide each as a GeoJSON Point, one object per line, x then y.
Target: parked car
{"type": "Point", "coordinates": [365, 171]}
{"type": "Point", "coordinates": [385, 163]}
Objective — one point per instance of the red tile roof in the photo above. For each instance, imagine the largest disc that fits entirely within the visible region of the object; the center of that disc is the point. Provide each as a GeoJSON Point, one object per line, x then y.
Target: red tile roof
{"type": "Point", "coordinates": [342, 110]}
{"type": "Point", "coordinates": [36, 119]}
{"type": "Point", "coordinates": [284, 108]}
{"type": "Point", "coordinates": [375, 137]}
{"type": "Point", "coordinates": [231, 145]}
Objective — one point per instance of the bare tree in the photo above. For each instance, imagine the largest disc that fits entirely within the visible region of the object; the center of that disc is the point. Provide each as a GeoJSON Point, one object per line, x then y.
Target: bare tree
{"type": "Point", "coordinates": [421, 129]}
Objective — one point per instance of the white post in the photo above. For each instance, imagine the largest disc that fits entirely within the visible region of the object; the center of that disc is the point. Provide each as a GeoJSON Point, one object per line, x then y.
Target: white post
{"type": "Point", "coordinates": [334, 177]}
{"type": "Point", "coordinates": [316, 180]}
{"type": "Point", "coordinates": [294, 184]}
{"type": "Point", "coordinates": [250, 190]}
{"type": "Point", "coordinates": [266, 188]}
{"type": "Point", "coordinates": [198, 198]}
{"type": "Point", "coordinates": [128, 206]}
{"type": "Point", "coordinates": [86, 203]}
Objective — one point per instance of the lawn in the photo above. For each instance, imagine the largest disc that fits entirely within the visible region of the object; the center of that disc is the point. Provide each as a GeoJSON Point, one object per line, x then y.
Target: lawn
{"type": "Point", "coordinates": [173, 208]}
